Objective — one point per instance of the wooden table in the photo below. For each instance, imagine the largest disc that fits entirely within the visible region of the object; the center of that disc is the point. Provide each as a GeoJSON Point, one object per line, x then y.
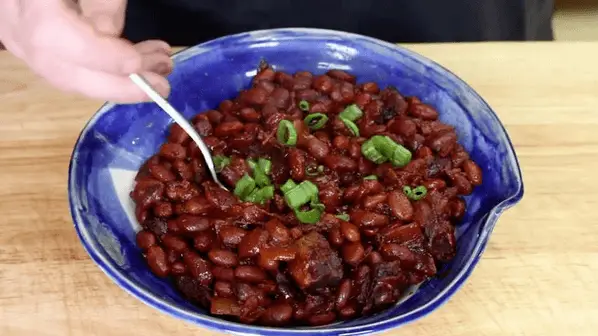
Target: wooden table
{"type": "Point", "coordinates": [539, 275]}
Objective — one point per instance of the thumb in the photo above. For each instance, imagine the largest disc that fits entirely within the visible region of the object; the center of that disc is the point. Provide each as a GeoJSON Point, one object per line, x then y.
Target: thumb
{"type": "Point", "coordinates": [106, 16]}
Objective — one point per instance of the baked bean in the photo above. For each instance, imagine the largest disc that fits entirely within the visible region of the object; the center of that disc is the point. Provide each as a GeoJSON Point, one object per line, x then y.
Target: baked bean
{"type": "Point", "coordinates": [178, 268]}
{"type": "Point", "coordinates": [400, 233]}
{"type": "Point", "coordinates": [296, 159]}
{"type": "Point", "coordinates": [204, 241]}
{"type": "Point", "coordinates": [198, 267]}
{"type": "Point", "coordinates": [461, 182]}
{"type": "Point", "coordinates": [473, 172]}
{"type": "Point", "coordinates": [370, 87]}
{"type": "Point", "coordinates": [184, 170]}
{"type": "Point", "coordinates": [266, 85]}
{"type": "Point", "coordinates": [173, 151]}
{"type": "Point", "coordinates": [318, 148]}
{"type": "Point", "coordinates": [374, 258]}
{"type": "Point", "coordinates": [145, 239]}
{"type": "Point", "coordinates": [156, 260]}
{"type": "Point", "coordinates": [434, 184]}
{"type": "Point", "coordinates": [340, 163]}
{"type": "Point", "coordinates": [343, 294]}
{"type": "Point", "coordinates": [192, 225]}
{"type": "Point", "coordinates": [197, 206]}
{"type": "Point", "coordinates": [215, 117]}
{"type": "Point", "coordinates": [400, 205]}
{"type": "Point", "coordinates": [163, 209]}
{"type": "Point", "coordinates": [231, 235]}
{"type": "Point", "coordinates": [278, 253]}
{"type": "Point", "coordinates": [353, 253]}
{"type": "Point", "coordinates": [223, 273]}
{"type": "Point", "coordinates": [350, 232]}
{"type": "Point", "coordinates": [278, 314]}
{"type": "Point", "coordinates": [223, 258]}
{"type": "Point", "coordinates": [371, 202]}
{"type": "Point", "coordinates": [177, 134]}
{"type": "Point", "coordinates": [349, 311]}
{"type": "Point", "coordinates": [161, 173]}
{"type": "Point", "coordinates": [341, 75]}
{"type": "Point", "coordinates": [266, 74]}
{"type": "Point", "coordinates": [251, 274]}
{"type": "Point", "coordinates": [443, 143]}
{"type": "Point", "coordinates": [228, 128]}
{"type": "Point", "coordinates": [180, 191]}
{"type": "Point", "coordinates": [223, 289]}
{"type": "Point", "coordinates": [323, 84]}
{"type": "Point", "coordinates": [224, 306]}
{"type": "Point", "coordinates": [395, 252]}
{"type": "Point", "coordinates": [321, 319]}
{"type": "Point", "coordinates": [254, 96]}
{"type": "Point", "coordinates": [423, 111]}
{"type": "Point", "coordinates": [368, 219]}
{"type": "Point", "coordinates": [457, 207]}
{"type": "Point", "coordinates": [174, 243]}
{"type": "Point", "coordinates": [335, 237]}
{"type": "Point", "coordinates": [252, 243]}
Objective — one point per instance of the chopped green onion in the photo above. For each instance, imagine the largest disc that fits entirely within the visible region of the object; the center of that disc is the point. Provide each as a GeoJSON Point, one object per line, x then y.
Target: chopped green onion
{"type": "Point", "coordinates": [244, 186]}
{"type": "Point", "coordinates": [265, 165]}
{"type": "Point", "coordinates": [368, 149]}
{"type": "Point", "coordinates": [267, 192]}
{"type": "Point", "coordinates": [288, 185]}
{"type": "Point", "coordinates": [418, 193]}
{"type": "Point", "coordinates": [407, 190]}
{"type": "Point", "coordinates": [286, 133]}
{"type": "Point", "coordinates": [351, 126]}
{"type": "Point", "coordinates": [304, 105]}
{"type": "Point", "coordinates": [312, 170]}
{"type": "Point", "coordinates": [260, 195]}
{"type": "Point", "coordinates": [220, 161]}
{"type": "Point", "coordinates": [401, 156]}
{"type": "Point", "coordinates": [351, 112]}
{"type": "Point", "coordinates": [261, 179]}
{"type": "Point", "coordinates": [371, 177]}
{"type": "Point", "coordinates": [344, 217]}
{"type": "Point", "coordinates": [254, 196]}
{"type": "Point", "coordinates": [315, 121]}
{"type": "Point", "coordinates": [251, 164]}
{"type": "Point", "coordinates": [309, 217]}
{"type": "Point", "coordinates": [305, 192]}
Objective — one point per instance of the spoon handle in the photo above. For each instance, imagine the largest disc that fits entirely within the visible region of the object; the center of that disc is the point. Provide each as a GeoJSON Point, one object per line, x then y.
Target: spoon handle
{"type": "Point", "coordinates": [179, 119]}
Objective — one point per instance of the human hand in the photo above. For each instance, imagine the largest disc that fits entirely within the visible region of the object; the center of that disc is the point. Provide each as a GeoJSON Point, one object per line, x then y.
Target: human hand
{"type": "Point", "coordinates": [75, 45]}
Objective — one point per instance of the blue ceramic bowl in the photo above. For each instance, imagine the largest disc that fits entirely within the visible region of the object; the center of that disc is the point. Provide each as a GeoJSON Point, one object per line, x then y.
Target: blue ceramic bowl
{"type": "Point", "coordinates": [119, 138]}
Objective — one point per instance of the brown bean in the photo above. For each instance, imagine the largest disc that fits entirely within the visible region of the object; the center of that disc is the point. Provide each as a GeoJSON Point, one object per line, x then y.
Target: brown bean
{"type": "Point", "coordinates": [145, 239]}
{"type": "Point", "coordinates": [350, 232]}
{"type": "Point", "coordinates": [321, 319]}
{"type": "Point", "coordinates": [197, 206]}
{"type": "Point", "coordinates": [434, 184]}
{"type": "Point", "coordinates": [442, 143]}
{"type": "Point", "coordinates": [368, 219]}
{"type": "Point", "coordinates": [172, 256]}
{"type": "Point", "coordinates": [403, 126]}
{"type": "Point", "coordinates": [178, 268]}
{"type": "Point", "coordinates": [340, 163]}
{"type": "Point", "coordinates": [202, 124]}
{"type": "Point", "coordinates": [224, 289]}
{"type": "Point", "coordinates": [323, 84]}
{"type": "Point", "coordinates": [355, 150]}
{"type": "Point", "coordinates": [174, 243]}
{"type": "Point", "coordinates": [457, 207]}
{"type": "Point", "coordinates": [251, 244]}
{"type": "Point", "coordinates": [374, 258]}
{"type": "Point", "coordinates": [264, 84]}
{"type": "Point", "coordinates": [181, 191]}
{"type": "Point", "coordinates": [163, 209]}
{"type": "Point", "coordinates": [402, 234]}
{"type": "Point", "coordinates": [249, 114]}
{"type": "Point", "coordinates": [204, 241]}
{"type": "Point", "coordinates": [198, 267]}
{"type": "Point", "coordinates": [370, 87]}
{"type": "Point", "coordinates": [278, 314]}
{"type": "Point", "coordinates": [266, 74]}
{"type": "Point", "coordinates": [473, 172]}
{"type": "Point", "coordinates": [371, 202]}
{"type": "Point", "coordinates": [335, 237]}
{"type": "Point", "coordinates": [341, 75]}
{"type": "Point", "coordinates": [223, 273]}
{"type": "Point", "coordinates": [279, 253]}
{"type": "Point", "coordinates": [161, 173]}
{"type": "Point", "coordinates": [215, 117]}
{"type": "Point", "coordinates": [228, 128]}
{"type": "Point", "coordinates": [250, 274]}
{"type": "Point", "coordinates": [254, 96]}
{"type": "Point", "coordinates": [177, 134]}
{"type": "Point", "coordinates": [156, 260]}
{"type": "Point", "coordinates": [317, 148]}
{"type": "Point", "coordinates": [231, 235]}
{"type": "Point", "coordinates": [393, 252]}
{"type": "Point", "coordinates": [400, 205]}
{"type": "Point", "coordinates": [461, 183]}
{"type": "Point", "coordinates": [423, 111]}
{"type": "Point", "coordinates": [353, 253]}
{"type": "Point", "coordinates": [296, 161]}
{"type": "Point", "coordinates": [192, 225]}
{"type": "Point", "coordinates": [173, 151]}
{"type": "Point", "coordinates": [224, 258]}
{"type": "Point", "coordinates": [343, 294]}
{"type": "Point", "coordinates": [349, 311]}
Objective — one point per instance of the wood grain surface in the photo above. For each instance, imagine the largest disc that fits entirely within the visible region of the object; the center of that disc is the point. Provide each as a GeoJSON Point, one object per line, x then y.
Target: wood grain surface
{"type": "Point", "coordinates": [538, 276]}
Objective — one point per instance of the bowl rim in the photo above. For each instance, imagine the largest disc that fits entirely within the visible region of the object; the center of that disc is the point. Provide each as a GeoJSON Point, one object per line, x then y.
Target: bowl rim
{"type": "Point", "coordinates": [204, 320]}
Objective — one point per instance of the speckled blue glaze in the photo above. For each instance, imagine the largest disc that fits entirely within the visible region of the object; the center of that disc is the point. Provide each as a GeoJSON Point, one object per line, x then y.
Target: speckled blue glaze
{"type": "Point", "coordinates": [119, 138]}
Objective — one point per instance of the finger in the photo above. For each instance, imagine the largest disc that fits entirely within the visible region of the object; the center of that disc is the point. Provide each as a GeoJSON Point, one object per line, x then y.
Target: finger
{"type": "Point", "coordinates": [107, 16]}
{"type": "Point", "coordinates": [83, 45]}
{"type": "Point", "coordinates": [151, 46]}
{"type": "Point", "coordinates": [99, 85]}
{"type": "Point", "coordinates": [157, 62]}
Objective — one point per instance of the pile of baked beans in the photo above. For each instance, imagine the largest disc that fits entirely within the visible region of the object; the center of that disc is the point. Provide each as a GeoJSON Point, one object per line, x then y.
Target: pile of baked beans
{"type": "Point", "coordinates": [376, 222]}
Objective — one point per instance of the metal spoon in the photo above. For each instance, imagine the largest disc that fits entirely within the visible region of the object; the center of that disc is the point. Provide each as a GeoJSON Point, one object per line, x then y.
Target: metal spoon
{"type": "Point", "coordinates": [179, 119]}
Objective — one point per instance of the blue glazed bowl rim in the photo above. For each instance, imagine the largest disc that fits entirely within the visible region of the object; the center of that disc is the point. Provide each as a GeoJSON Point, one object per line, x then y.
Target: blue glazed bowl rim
{"type": "Point", "coordinates": [149, 298]}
